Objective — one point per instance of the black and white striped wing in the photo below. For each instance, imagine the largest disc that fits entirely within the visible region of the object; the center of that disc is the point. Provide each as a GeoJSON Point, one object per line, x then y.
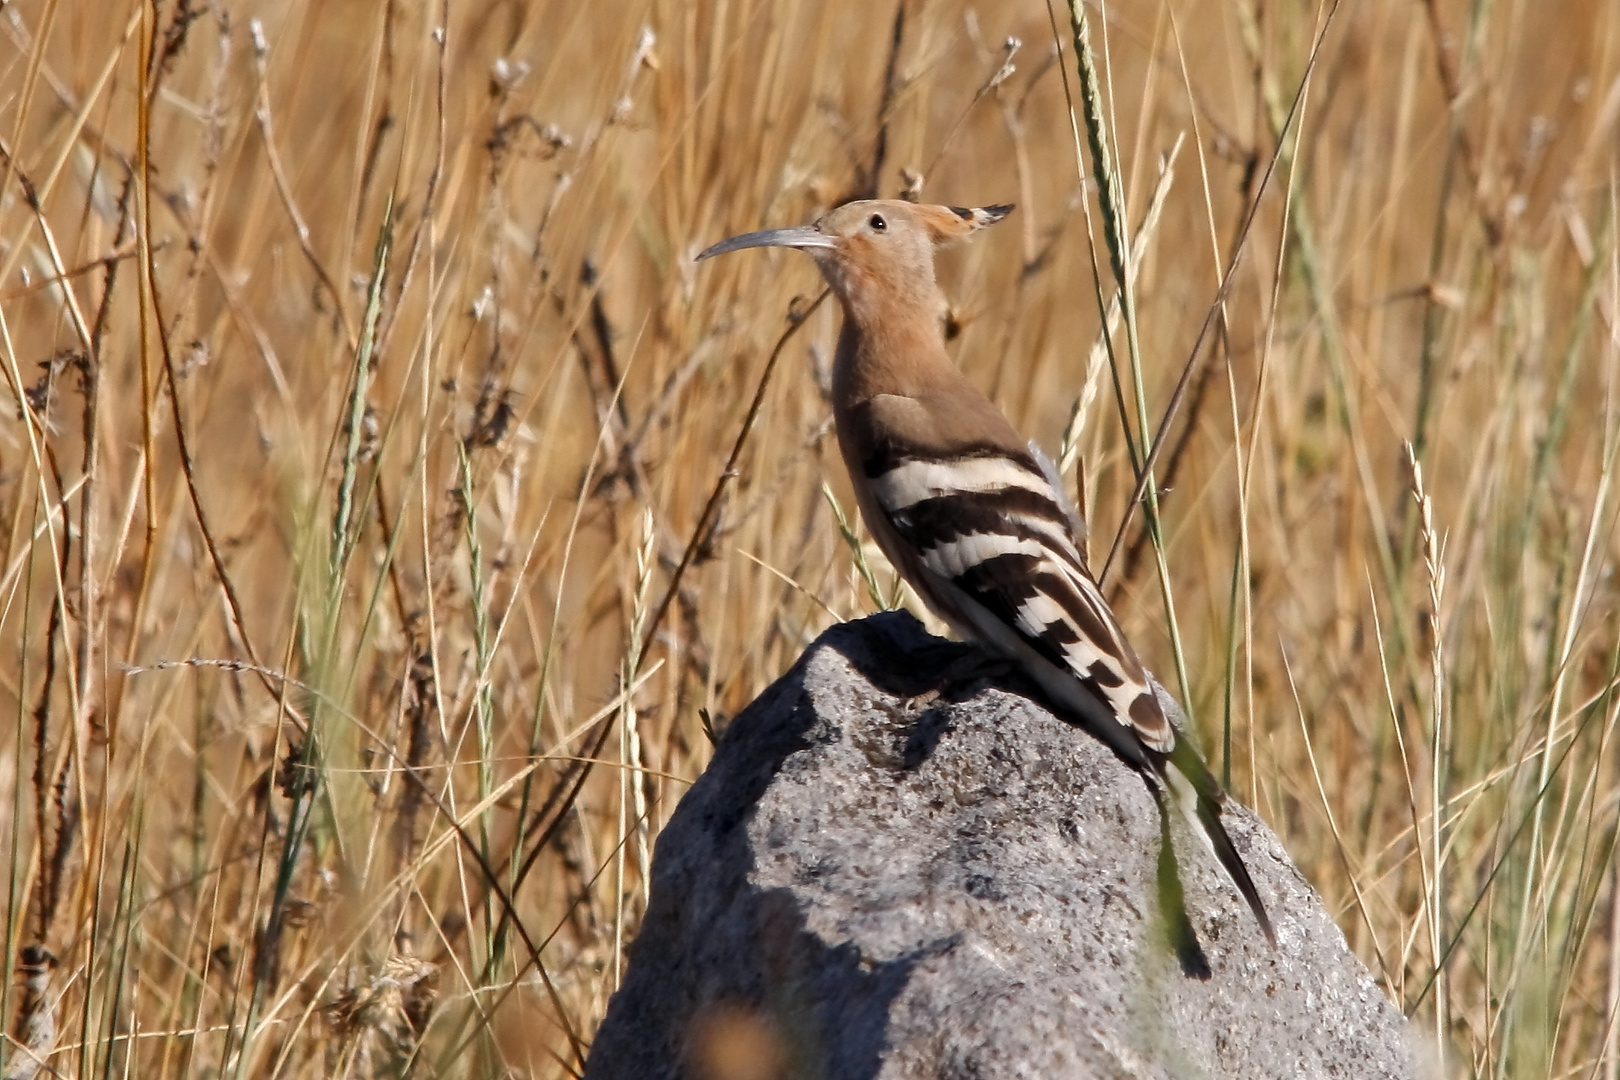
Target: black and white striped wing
{"type": "Point", "coordinates": [991, 526]}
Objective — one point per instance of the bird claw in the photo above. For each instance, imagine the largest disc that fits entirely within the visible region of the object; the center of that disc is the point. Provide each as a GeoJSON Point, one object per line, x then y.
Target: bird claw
{"type": "Point", "coordinates": [963, 677]}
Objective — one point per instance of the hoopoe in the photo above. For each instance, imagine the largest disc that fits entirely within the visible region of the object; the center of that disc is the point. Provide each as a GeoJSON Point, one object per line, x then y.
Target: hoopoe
{"type": "Point", "coordinates": [971, 515]}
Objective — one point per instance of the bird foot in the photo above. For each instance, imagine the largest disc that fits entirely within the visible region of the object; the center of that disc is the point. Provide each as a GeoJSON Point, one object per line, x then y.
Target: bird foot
{"type": "Point", "coordinates": [963, 676]}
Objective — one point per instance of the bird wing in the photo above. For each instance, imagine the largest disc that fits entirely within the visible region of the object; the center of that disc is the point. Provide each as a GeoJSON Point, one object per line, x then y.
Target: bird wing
{"type": "Point", "coordinates": [984, 523]}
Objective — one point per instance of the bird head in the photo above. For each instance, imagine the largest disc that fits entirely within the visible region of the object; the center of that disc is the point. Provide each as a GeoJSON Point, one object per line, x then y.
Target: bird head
{"type": "Point", "coordinates": [877, 250]}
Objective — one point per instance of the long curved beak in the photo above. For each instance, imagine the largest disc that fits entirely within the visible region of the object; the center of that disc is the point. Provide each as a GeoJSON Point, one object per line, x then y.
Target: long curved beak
{"type": "Point", "coordinates": [800, 236]}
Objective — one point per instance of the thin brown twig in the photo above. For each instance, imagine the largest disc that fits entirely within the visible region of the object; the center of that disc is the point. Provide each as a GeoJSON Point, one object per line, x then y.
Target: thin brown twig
{"type": "Point", "coordinates": [868, 185]}
{"type": "Point", "coordinates": [153, 302]}
{"type": "Point", "coordinates": [699, 540]}
{"type": "Point", "coordinates": [1187, 369]}
{"type": "Point", "coordinates": [1223, 341]}
{"type": "Point", "coordinates": [122, 251]}
{"type": "Point", "coordinates": [429, 197]}
{"type": "Point", "coordinates": [261, 113]}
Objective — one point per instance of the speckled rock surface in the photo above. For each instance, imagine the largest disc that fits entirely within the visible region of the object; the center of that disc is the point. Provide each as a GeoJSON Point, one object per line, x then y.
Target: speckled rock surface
{"type": "Point", "coordinates": [865, 883]}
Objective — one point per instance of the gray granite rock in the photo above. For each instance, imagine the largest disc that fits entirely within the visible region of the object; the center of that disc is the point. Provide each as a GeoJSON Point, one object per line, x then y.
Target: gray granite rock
{"type": "Point", "coordinates": [869, 882]}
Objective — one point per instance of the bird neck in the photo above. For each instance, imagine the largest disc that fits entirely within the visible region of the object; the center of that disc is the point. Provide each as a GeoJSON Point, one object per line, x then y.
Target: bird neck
{"type": "Point", "coordinates": [898, 351]}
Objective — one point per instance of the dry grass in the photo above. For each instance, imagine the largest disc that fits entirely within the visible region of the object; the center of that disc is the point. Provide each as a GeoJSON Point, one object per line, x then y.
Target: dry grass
{"type": "Point", "coordinates": [320, 762]}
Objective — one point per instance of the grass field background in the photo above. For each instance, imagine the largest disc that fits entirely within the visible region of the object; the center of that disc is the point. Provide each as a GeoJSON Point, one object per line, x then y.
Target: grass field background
{"type": "Point", "coordinates": [363, 406]}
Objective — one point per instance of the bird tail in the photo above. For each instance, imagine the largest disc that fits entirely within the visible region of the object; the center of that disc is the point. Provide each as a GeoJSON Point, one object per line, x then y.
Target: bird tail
{"type": "Point", "coordinates": [1209, 816]}
{"type": "Point", "coordinates": [1208, 800]}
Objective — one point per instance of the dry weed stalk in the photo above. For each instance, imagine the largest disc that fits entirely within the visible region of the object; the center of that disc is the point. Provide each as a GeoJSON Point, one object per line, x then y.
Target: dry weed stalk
{"type": "Point", "coordinates": [378, 1021]}
{"type": "Point", "coordinates": [1433, 546]}
{"type": "Point", "coordinates": [36, 1027]}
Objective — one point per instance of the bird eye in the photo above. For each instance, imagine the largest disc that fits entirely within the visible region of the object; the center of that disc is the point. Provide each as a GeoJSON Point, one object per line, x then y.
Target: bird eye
{"type": "Point", "coordinates": [877, 223]}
